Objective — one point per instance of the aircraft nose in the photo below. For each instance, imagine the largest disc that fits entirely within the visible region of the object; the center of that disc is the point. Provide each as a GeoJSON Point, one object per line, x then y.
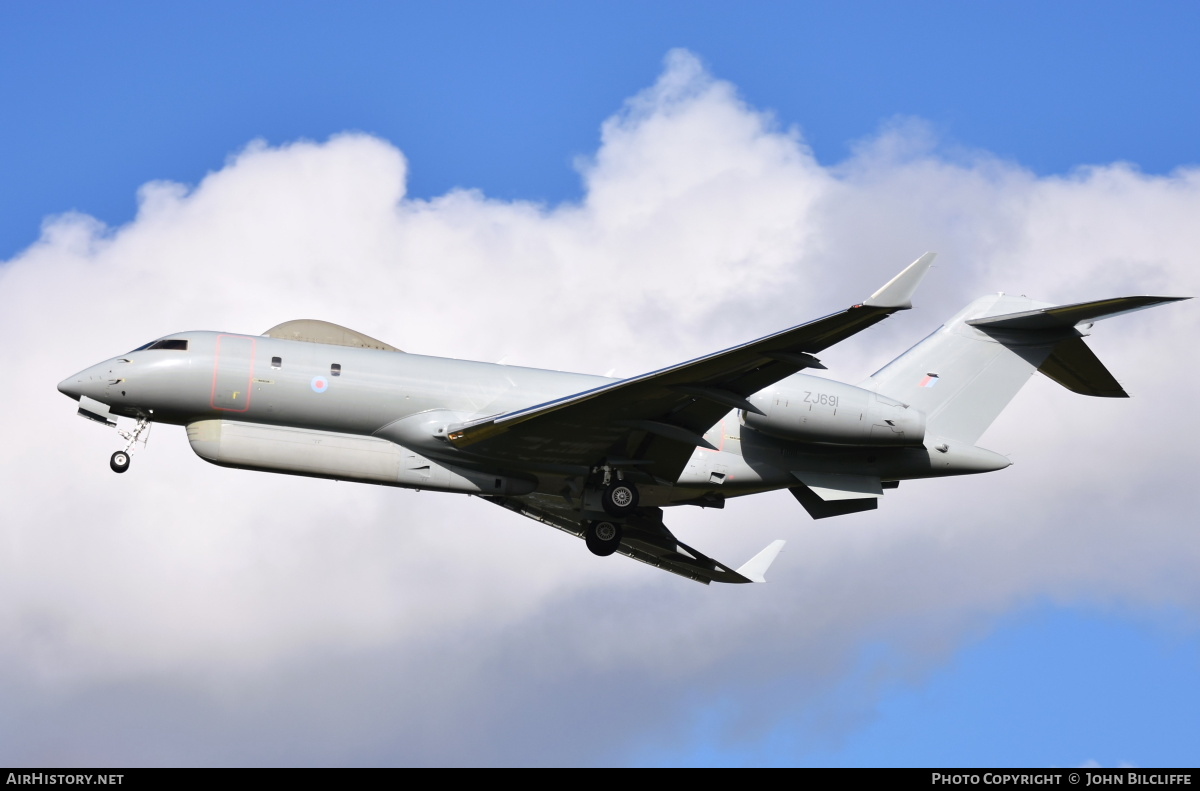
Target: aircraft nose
{"type": "Point", "coordinates": [89, 382]}
{"type": "Point", "coordinates": [71, 387]}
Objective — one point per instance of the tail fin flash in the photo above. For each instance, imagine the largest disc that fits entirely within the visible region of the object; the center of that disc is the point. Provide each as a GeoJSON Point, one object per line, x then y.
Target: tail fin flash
{"type": "Point", "coordinates": [964, 374]}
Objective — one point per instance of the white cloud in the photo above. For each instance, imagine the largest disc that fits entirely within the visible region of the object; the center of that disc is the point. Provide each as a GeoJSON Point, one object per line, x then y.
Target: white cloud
{"type": "Point", "coordinates": [331, 622]}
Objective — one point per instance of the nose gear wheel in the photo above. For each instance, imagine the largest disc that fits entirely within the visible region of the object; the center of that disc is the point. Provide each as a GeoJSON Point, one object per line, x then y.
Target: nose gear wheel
{"type": "Point", "coordinates": [119, 461]}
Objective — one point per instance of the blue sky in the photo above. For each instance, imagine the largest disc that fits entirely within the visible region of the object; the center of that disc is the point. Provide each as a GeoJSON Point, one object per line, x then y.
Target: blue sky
{"type": "Point", "coordinates": [1044, 683]}
{"type": "Point", "coordinates": [503, 96]}
{"type": "Point", "coordinates": [511, 99]}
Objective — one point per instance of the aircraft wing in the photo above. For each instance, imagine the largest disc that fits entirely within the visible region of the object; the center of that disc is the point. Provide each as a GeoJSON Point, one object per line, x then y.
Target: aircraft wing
{"type": "Point", "coordinates": [653, 422]}
{"type": "Point", "coordinates": [646, 538]}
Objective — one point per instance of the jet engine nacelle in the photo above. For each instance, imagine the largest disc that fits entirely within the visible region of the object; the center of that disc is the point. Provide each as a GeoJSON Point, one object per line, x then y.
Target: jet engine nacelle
{"type": "Point", "coordinates": [811, 409]}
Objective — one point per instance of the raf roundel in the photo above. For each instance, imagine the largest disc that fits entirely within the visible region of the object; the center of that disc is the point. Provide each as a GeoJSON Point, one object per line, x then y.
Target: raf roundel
{"type": "Point", "coordinates": [320, 384]}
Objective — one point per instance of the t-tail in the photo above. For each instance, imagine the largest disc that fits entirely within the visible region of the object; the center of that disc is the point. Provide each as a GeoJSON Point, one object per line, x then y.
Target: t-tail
{"type": "Point", "coordinates": [964, 374]}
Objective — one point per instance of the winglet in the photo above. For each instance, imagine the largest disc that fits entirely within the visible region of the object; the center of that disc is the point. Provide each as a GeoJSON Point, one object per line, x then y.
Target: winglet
{"type": "Point", "coordinates": [897, 294]}
{"type": "Point", "coordinates": [755, 569]}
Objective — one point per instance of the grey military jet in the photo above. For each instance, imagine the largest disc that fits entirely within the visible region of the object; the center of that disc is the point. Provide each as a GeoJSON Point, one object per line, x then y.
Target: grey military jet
{"type": "Point", "coordinates": [600, 458]}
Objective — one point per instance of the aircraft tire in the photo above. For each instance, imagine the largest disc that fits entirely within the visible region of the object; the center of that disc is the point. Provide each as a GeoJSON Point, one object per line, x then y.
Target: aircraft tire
{"type": "Point", "coordinates": [619, 498]}
{"type": "Point", "coordinates": [603, 538]}
{"type": "Point", "coordinates": [119, 462]}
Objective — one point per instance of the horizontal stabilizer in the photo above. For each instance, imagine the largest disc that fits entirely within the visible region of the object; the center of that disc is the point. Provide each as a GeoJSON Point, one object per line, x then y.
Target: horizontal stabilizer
{"type": "Point", "coordinates": [822, 509]}
{"type": "Point", "coordinates": [1076, 367]}
{"type": "Point", "coordinates": [965, 373]}
{"type": "Point", "coordinates": [1066, 316]}
{"type": "Point", "coordinates": [1070, 363]}
{"type": "Point", "coordinates": [755, 569]}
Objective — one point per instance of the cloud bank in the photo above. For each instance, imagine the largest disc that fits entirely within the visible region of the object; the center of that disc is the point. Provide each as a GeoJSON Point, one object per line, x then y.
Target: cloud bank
{"type": "Point", "coordinates": [187, 614]}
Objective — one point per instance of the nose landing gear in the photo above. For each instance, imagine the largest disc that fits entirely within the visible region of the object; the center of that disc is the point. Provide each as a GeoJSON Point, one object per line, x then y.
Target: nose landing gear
{"type": "Point", "coordinates": [119, 461]}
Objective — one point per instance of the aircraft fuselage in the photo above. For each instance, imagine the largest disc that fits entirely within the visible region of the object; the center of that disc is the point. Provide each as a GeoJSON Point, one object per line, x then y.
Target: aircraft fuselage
{"type": "Point", "coordinates": [374, 416]}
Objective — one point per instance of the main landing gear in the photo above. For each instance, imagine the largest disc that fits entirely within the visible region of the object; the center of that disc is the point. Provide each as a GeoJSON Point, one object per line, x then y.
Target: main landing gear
{"type": "Point", "coordinates": [618, 497]}
{"type": "Point", "coordinates": [603, 538]}
{"type": "Point", "coordinates": [119, 461]}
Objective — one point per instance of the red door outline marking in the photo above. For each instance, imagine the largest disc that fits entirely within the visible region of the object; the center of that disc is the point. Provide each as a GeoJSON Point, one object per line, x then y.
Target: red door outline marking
{"type": "Point", "coordinates": [212, 401]}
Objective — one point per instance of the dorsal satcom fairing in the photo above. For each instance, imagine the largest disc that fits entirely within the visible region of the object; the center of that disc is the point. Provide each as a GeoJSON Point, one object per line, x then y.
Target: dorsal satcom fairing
{"type": "Point", "coordinates": [317, 331]}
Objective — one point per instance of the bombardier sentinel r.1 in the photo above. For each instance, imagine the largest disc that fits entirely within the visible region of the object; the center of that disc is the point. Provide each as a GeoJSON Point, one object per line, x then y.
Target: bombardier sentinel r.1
{"type": "Point", "coordinates": [601, 458]}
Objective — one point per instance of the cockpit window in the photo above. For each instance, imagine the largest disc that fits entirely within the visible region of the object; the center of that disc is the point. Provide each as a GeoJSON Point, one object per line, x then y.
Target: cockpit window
{"type": "Point", "coordinates": [172, 344]}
